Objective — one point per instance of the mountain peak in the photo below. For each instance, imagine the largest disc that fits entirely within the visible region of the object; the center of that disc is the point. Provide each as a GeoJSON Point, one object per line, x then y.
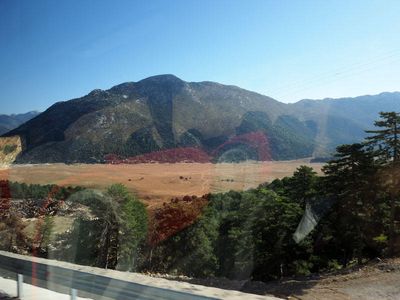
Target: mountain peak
{"type": "Point", "coordinates": [160, 84]}
{"type": "Point", "coordinates": [96, 92]}
{"type": "Point", "coordinates": [163, 78]}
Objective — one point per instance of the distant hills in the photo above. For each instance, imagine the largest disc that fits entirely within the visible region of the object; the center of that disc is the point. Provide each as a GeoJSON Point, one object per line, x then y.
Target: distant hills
{"type": "Point", "coordinates": [344, 120]}
{"type": "Point", "coordinates": [9, 122]}
{"type": "Point", "coordinates": [168, 117]}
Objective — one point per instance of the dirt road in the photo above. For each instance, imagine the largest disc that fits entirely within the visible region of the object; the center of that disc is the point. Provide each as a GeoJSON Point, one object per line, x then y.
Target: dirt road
{"type": "Point", "coordinates": [373, 281]}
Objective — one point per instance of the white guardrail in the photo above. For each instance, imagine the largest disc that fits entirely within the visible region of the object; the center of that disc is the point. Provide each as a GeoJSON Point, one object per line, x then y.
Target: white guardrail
{"type": "Point", "coordinates": [69, 280]}
{"type": "Point", "coordinates": [35, 274]}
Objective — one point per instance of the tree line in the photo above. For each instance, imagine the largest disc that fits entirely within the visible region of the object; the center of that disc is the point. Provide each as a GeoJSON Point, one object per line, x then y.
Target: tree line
{"type": "Point", "coordinates": [25, 191]}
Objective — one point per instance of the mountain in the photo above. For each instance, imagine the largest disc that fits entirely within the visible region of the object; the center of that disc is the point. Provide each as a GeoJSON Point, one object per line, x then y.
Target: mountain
{"type": "Point", "coordinates": [9, 122]}
{"type": "Point", "coordinates": [165, 118]}
{"type": "Point", "coordinates": [344, 120]}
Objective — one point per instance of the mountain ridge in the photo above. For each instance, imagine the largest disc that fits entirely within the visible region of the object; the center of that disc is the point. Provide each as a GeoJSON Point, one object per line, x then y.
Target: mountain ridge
{"type": "Point", "coordinates": [11, 121]}
{"type": "Point", "coordinates": [165, 112]}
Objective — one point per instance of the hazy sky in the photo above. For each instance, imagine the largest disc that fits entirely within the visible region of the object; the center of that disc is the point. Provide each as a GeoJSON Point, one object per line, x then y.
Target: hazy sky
{"type": "Point", "coordinates": [290, 50]}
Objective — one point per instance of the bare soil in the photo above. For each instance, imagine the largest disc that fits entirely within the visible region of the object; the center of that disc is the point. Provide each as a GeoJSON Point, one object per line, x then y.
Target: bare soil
{"type": "Point", "coordinates": [61, 225]}
{"type": "Point", "coordinates": [379, 279]}
{"type": "Point", "coordinates": [376, 280]}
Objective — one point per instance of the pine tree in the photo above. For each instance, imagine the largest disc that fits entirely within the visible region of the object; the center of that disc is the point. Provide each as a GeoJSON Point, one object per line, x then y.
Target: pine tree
{"type": "Point", "coordinates": [349, 178]}
{"type": "Point", "coordinates": [386, 144]}
{"type": "Point", "coordinates": [386, 141]}
{"type": "Point", "coordinates": [302, 185]}
{"type": "Point", "coordinates": [132, 226]}
{"type": "Point", "coordinates": [46, 232]}
{"type": "Point", "coordinates": [118, 228]}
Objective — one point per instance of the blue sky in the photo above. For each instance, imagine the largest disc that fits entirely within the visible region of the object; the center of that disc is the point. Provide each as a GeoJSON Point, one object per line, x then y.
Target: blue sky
{"type": "Point", "coordinates": [290, 50]}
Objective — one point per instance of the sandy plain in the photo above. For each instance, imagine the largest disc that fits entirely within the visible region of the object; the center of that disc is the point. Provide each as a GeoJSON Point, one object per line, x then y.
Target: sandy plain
{"type": "Point", "coordinates": [155, 183]}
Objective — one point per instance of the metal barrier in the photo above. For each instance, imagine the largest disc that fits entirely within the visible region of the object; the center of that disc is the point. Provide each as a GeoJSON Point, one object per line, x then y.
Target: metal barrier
{"type": "Point", "coordinates": [66, 280]}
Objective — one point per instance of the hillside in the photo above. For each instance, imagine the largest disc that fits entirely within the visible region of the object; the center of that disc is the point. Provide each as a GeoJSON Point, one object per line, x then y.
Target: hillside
{"type": "Point", "coordinates": [10, 147]}
{"type": "Point", "coordinates": [375, 280]}
{"type": "Point", "coordinates": [9, 122]}
{"type": "Point", "coordinates": [168, 116]}
{"type": "Point", "coordinates": [344, 120]}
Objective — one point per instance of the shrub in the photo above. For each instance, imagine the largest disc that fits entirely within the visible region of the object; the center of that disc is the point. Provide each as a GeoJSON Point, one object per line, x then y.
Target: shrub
{"type": "Point", "coordinates": [8, 149]}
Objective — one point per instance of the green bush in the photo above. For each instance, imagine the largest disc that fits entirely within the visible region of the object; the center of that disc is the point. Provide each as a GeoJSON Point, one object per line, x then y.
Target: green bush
{"type": "Point", "coordinates": [8, 149]}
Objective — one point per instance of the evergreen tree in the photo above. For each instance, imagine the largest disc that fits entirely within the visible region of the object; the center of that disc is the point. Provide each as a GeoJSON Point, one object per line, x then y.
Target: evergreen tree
{"type": "Point", "coordinates": [114, 235]}
{"type": "Point", "coordinates": [386, 144]}
{"type": "Point", "coordinates": [190, 251]}
{"type": "Point", "coordinates": [276, 254]}
{"type": "Point", "coordinates": [302, 185]}
{"type": "Point", "coordinates": [386, 141]}
{"type": "Point", "coordinates": [132, 223]}
{"type": "Point", "coordinates": [45, 234]}
{"type": "Point", "coordinates": [235, 246]}
{"type": "Point", "coordinates": [350, 178]}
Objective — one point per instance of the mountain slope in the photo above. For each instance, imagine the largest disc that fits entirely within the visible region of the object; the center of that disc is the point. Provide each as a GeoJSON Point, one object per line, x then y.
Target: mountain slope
{"type": "Point", "coordinates": [344, 120]}
{"type": "Point", "coordinates": [360, 109]}
{"type": "Point", "coordinates": [9, 122]}
{"type": "Point", "coordinates": [225, 123]}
